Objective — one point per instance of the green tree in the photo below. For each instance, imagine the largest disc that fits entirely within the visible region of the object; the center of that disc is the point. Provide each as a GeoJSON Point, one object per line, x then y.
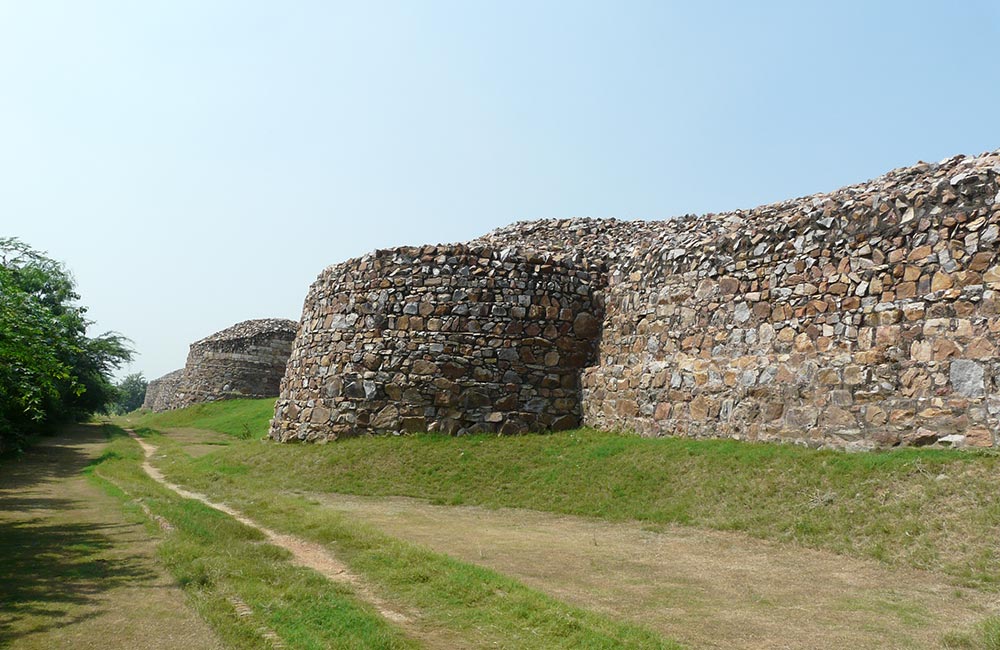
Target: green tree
{"type": "Point", "coordinates": [131, 393]}
{"type": "Point", "coordinates": [50, 370]}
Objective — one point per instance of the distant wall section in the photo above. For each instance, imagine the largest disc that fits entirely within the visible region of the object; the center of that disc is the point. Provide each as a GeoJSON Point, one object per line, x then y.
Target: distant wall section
{"type": "Point", "coordinates": [246, 360]}
{"type": "Point", "coordinates": [161, 392]}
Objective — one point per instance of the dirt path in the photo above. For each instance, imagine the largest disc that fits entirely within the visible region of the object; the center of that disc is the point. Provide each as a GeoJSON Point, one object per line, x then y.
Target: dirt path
{"type": "Point", "coordinates": [305, 553]}
{"type": "Point", "coordinates": [73, 572]}
{"type": "Point", "coordinates": [706, 589]}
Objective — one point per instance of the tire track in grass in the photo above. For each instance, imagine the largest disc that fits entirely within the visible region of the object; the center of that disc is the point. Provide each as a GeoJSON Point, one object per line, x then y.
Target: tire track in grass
{"type": "Point", "coordinates": [307, 554]}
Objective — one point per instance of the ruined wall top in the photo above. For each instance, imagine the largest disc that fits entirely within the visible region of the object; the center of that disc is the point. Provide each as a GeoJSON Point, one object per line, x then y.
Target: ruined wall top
{"type": "Point", "coordinates": [899, 196]}
{"type": "Point", "coordinates": [249, 330]}
{"type": "Point", "coordinates": [584, 241]}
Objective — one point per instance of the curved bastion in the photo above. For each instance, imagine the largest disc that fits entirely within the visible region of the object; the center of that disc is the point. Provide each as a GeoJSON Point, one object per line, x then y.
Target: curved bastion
{"type": "Point", "coordinates": [861, 318]}
{"type": "Point", "coordinates": [246, 360]}
{"type": "Point", "coordinates": [440, 338]}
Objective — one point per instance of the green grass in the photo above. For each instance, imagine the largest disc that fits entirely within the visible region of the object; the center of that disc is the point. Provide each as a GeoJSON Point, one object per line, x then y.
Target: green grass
{"type": "Point", "coordinates": [485, 608]}
{"type": "Point", "coordinates": [217, 559]}
{"type": "Point", "coordinates": [478, 607]}
{"type": "Point", "coordinates": [986, 636]}
{"type": "Point", "coordinates": [240, 418]}
{"type": "Point", "coordinates": [933, 509]}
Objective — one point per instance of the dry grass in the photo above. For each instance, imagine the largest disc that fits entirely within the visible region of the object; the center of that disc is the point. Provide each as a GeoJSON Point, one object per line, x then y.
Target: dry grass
{"type": "Point", "coordinates": [707, 589]}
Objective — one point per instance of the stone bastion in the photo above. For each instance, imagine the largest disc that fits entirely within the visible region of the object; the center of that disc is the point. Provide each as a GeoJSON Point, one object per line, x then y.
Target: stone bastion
{"type": "Point", "coordinates": [862, 318]}
{"type": "Point", "coordinates": [440, 338]}
{"type": "Point", "coordinates": [246, 360]}
{"type": "Point", "coordinates": [161, 392]}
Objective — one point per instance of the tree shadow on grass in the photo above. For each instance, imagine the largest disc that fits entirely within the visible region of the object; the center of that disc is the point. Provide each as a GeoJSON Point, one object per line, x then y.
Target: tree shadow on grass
{"type": "Point", "coordinates": [53, 571]}
{"type": "Point", "coordinates": [53, 457]}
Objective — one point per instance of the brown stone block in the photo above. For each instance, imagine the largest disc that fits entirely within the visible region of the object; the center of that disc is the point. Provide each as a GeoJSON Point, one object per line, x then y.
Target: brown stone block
{"type": "Point", "coordinates": [851, 302]}
{"type": "Point", "coordinates": [320, 415]}
{"type": "Point", "coordinates": [941, 281]}
{"type": "Point", "coordinates": [906, 290]}
{"type": "Point", "coordinates": [980, 348]}
{"type": "Point", "coordinates": [838, 418]}
{"type": "Point", "coordinates": [771, 411]}
{"type": "Point", "coordinates": [828, 377]}
{"type": "Point", "coordinates": [729, 285]}
{"type": "Point", "coordinates": [875, 416]}
{"type": "Point", "coordinates": [886, 335]}
{"type": "Point", "coordinates": [964, 308]}
{"type": "Point", "coordinates": [703, 408]}
{"type": "Point", "coordinates": [414, 424]}
{"type": "Point", "coordinates": [919, 254]}
{"type": "Point", "coordinates": [978, 437]}
{"type": "Point", "coordinates": [945, 349]}
{"type": "Point", "coordinates": [801, 418]}
{"type": "Point", "coordinates": [803, 343]}
{"type": "Point", "coordinates": [424, 367]}
{"type": "Point", "coordinates": [627, 408]}
{"type": "Point", "coordinates": [981, 261]}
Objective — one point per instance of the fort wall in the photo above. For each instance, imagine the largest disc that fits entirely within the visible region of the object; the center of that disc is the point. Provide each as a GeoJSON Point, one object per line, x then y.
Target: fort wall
{"type": "Point", "coordinates": [862, 318]}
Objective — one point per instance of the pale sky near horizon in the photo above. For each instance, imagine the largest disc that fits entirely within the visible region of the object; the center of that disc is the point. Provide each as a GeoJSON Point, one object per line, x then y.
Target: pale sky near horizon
{"type": "Point", "coordinates": [195, 164]}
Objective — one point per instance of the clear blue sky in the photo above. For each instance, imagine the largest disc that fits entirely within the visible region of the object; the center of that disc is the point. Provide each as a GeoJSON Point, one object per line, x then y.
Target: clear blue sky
{"type": "Point", "coordinates": [199, 163]}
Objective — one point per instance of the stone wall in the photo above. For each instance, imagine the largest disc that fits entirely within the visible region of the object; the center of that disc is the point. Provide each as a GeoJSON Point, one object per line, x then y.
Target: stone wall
{"type": "Point", "coordinates": [161, 392]}
{"type": "Point", "coordinates": [246, 360]}
{"type": "Point", "coordinates": [439, 338]}
{"type": "Point", "coordinates": [861, 318]}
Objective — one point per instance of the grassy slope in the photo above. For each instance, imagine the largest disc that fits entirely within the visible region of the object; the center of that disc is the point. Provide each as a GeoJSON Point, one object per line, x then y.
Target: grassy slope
{"type": "Point", "coordinates": [933, 509]}
{"type": "Point", "coordinates": [240, 418]}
